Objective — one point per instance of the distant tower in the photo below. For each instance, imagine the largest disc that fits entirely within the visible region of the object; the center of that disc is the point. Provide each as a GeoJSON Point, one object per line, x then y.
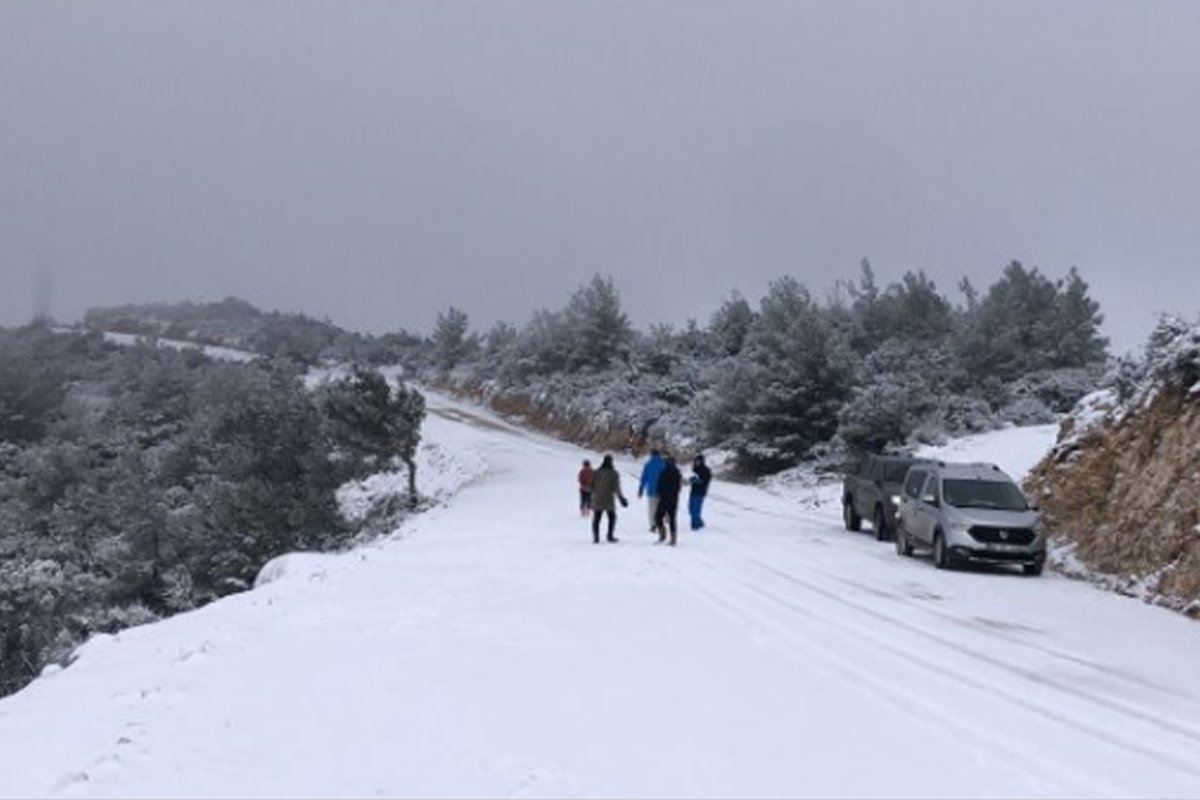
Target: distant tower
{"type": "Point", "coordinates": [43, 289]}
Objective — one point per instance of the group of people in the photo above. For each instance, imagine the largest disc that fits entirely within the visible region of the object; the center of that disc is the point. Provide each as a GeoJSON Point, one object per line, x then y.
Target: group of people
{"type": "Point", "coordinates": [661, 482]}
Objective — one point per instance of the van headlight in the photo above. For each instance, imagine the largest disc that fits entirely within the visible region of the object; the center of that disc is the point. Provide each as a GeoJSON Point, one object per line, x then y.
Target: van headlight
{"type": "Point", "coordinates": [958, 525]}
{"type": "Point", "coordinates": [896, 500]}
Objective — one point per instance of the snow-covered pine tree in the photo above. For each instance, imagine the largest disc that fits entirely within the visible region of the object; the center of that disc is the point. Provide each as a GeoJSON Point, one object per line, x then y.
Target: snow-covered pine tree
{"type": "Point", "coordinates": [793, 378]}
{"type": "Point", "coordinates": [599, 331]}
{"type": "Point", "coordinates": [452, 342]}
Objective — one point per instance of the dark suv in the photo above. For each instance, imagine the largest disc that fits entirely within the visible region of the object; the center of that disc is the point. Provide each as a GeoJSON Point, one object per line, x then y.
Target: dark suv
{"type": "Point", "coordinates": [872, 491]}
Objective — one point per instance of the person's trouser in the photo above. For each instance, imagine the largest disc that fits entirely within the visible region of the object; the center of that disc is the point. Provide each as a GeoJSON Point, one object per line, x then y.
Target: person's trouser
{"type": "Point", "coordinates": [612, 523]}
{"type": "Point", "coordinates": [585, 501]}
{"type": "Point", "coordinates": [652, 510]}
{"type": "Point", "coordinates": [695, 503]}
{"type": "Point", "coordinates": [666, 513]}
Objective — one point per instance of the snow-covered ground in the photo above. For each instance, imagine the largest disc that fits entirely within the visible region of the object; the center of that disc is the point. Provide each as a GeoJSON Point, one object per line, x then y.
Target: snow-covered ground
{"type": "Point", "coordinates": [212, 351]}
{"type": "Point", "coordinates": [490, 649]}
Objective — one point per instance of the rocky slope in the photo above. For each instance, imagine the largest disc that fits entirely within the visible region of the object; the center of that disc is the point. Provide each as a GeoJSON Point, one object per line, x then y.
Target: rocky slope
{"type": "Point", "coordinates": [1122, 487]}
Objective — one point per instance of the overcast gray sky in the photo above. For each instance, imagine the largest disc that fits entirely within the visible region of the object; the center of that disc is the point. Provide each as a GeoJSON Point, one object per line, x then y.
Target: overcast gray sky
{"type": "Point", "coordinates": [376, 162]}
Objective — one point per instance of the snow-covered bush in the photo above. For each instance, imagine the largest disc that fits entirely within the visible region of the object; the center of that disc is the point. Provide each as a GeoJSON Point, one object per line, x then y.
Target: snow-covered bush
{"type": "Point", "coordinates": [1173, 354]}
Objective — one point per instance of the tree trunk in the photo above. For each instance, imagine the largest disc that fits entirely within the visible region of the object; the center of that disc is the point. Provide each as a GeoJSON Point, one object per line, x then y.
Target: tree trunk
{"type": "Point", "coordinates": [411, 465]}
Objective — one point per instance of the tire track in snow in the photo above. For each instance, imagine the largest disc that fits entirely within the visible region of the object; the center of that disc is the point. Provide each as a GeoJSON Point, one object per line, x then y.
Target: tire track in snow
{"type": "Point", "coordinates": [1138, 681]}
{"type": "Point", "coordinates": [957, 646]}
{"type": "Point", "coordinates": [756, 614]}
{"type": "Point", "coordinates": [998, 632]}
{"type": "Point", "coordinates": [1072, 721]}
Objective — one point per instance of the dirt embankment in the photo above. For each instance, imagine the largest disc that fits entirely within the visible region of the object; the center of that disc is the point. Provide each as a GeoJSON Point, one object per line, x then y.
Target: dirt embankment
{"type": "Point", "coordinates": [604, 435]}
{"type": "Point", "coordinates": [1126, 494]}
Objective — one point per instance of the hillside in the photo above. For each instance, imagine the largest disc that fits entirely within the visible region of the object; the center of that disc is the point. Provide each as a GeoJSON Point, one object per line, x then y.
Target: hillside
{"type": "Point", "coordinates": [234, 323]}
{"type": "Point", "coordinates": [1122, 486]}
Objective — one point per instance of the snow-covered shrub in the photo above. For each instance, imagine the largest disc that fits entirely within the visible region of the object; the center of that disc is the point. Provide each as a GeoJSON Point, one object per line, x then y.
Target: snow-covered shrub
{"type": "Point", "coordinates": [884, 413]}
{"type": "Point", "coordinates": [1173, 354]}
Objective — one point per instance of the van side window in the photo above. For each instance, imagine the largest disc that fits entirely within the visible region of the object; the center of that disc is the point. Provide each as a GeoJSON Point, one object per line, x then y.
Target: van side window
{"type": "Point", "coordinates": [931, 487]}
{"type": "Point", "coordinates": [912, 485]}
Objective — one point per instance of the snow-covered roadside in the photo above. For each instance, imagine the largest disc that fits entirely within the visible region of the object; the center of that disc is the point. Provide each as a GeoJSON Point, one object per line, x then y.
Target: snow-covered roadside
{"type": "Point", "coordinates": [212, 351]}
{"type": "Point", "coordinates": [443, 468]}
{"type": "Point", "coordinates": [441, 472]}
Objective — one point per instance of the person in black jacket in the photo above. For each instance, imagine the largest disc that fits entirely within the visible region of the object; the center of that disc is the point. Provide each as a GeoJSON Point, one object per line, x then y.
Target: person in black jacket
{"type": "Point", "coordinates": [669, 482]}
{"type": "Point", "coordinates": [700, 478]}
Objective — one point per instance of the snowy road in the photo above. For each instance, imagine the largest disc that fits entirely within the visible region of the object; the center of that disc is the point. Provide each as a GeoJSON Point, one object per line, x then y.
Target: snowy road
{"type": "Point", "coordinates": [492, 650]}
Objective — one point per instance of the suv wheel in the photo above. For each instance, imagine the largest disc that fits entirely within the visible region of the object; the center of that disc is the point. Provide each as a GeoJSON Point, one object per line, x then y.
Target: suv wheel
{"type": "Point", "coordinates": [903, 547]}
{"type": "Point", "coordinates": [879, 521]}
{"type": "Point", "coordinates": [941, 556]}
{"type": "Point", "coordinates": [849, 516]}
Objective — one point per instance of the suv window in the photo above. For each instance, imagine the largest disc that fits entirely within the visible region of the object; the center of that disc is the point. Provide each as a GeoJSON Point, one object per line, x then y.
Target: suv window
{"type": "Point", "coordinates": [875, 470]}
{"type": "Point", "coordinates": [894, 471]}
{"type": "Point", "coordinates": [916, 479]}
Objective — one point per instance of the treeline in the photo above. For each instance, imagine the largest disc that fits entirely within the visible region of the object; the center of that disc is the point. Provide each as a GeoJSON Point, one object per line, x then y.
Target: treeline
{"type": "Point", "coordinates": [794, 376]}
{"type": "Point", "coordinates": [790, 377]}
{"type": "Point", "coordinates": [137, 482]}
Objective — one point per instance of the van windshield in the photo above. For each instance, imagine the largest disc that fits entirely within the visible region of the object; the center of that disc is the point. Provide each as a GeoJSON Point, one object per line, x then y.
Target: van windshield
{"type": "Point", "coordinates": [983, 494]}
{"type": "Point", "coordinates": [894, 471]}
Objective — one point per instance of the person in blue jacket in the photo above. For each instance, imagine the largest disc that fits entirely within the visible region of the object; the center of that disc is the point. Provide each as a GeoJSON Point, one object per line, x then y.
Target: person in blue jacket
{"type": "Point", "coordinates": [697, 489]}
{"type": "Point", "coordinates": [648, 485]}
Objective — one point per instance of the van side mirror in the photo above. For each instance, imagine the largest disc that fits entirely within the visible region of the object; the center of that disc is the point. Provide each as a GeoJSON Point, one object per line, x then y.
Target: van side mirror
{"type": "Point", "coordinates": [929, 499]}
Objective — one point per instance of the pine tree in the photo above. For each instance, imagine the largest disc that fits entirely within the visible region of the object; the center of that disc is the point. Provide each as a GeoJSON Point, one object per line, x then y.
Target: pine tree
{"type": "Point", "coordinates": [792, 378]}
{"type": "Point", "coordinates": [731, 323]}
{"type": "Point", "coordinates": [1078, 318]}
{"type": "Point", "coordinates": [375, 423]}
{"type": "Point", "coordinates": [451, 341]}
{"type": "Point", "coordinates": [599, 330]}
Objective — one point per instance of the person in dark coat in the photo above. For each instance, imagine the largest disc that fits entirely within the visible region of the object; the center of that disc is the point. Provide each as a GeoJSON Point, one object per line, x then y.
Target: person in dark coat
{"type": "Point", "coordinates": [669, 482]}
{"type": "Point", "coordinates": [606, 491]}
{"type": "Point", "coordinates": [697, 490]}
{"type": "Point", "coordinates": [585, 488]}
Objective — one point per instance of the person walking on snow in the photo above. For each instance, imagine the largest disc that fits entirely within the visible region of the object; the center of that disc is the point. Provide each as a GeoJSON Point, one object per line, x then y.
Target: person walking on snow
{"type": "Point", "coordinates": [669, 482]}
{"type": "Point", "coordinates": [585, 488]}
{"type": "Point", "coordinates": [697, 489]}
{"type": "Point", "coordinates": [606, 491]}
{"type": "Point", "coordinates": [649, 486]}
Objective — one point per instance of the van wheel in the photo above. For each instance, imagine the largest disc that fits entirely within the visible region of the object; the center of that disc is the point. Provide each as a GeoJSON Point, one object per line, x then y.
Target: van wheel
{"type": "Point", "coordinates": [941, 556]}
{"type": "Point", "coordinates": [881, 530]}
{"type": "Point", "coordinates": [1034, 569]}
{"type": "Point", "coordinates": [849, 516]}
{"type": "Point", "coordinates": [903, 547]}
